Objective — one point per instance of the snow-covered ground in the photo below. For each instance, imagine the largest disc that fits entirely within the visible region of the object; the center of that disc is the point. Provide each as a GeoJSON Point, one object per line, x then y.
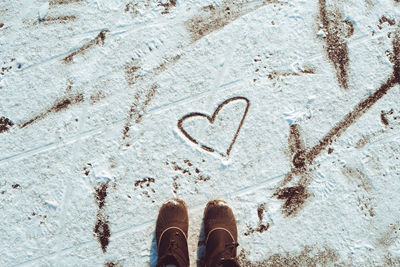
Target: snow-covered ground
{"type": "Point", "coordinates": [288, 110]}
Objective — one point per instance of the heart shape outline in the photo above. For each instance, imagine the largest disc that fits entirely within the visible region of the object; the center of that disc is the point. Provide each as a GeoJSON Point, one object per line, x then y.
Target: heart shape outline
{"type": "Point", "coordinates": [211, 120]}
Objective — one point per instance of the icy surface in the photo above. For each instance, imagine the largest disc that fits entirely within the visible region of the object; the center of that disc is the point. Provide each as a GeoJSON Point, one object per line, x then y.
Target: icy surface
{"type": "Point", "coordinates": [92, 93]}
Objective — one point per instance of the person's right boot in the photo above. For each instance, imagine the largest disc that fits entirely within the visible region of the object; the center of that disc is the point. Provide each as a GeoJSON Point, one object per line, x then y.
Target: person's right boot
{"type": "Point", "coordinates": [221, 235]}
{"type": "Point", "coordinates": [171, 234]}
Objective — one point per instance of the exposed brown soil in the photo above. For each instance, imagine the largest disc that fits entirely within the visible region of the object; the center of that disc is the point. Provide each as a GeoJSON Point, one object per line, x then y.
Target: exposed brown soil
{"type": "Point", "coordinates": [357, 177]}
{"type": "Point", "coordinates": [131, 74]}
{"type": "Point", "coordinates": [63, 2]}
{"type": "Point", "coordinates": [297, 153]}
{"type": "Point", "coordinates": [178, 168]}
{"type": "Point", "coordinates": [261, 227]}
{"type": "Point", "coordinates": [365, 205]}
{"type": "Point", "coordinates": [101, 194]}
{"type": "Point", "coordinates": [131, 8]}
{"type": "Point", "coordinates": [96, 97]}
{"type": "Point", "coordinates": [98, 40]}
{"type": "Point", "coordinates": [175, 184]}
{"type": "Point", "coordinates": [309, 256]}
{"type": "Point", "coordinates": [5, 124]}
{"type": "Point", "coordinates": [58, 106]}
{"type": "Point", "coordinates": [308, 70]}
{"type": "Point", "coordinates": [390, 260]}
{"type": "Point", "coordinates": [148, 98]}
{"type": "Point", "coordinates": [55, 20]}
{"type": "Point", "coordinates": [3, 70]}
{"type": "Point", "coordinates": [102, 228]}
{"type": "Point", "coordinates": [167, 5]}
{"type": "Point", "coordinates": [190, 171]}
{"type": "Point", "coordinates": [367, 138]}
{"type": "Point", "coordinates": [138, 110]}
{"type": "Point", "coordinates": [390, 236]}
{"type": "Point", "coordinates": [188, 163]}
{"type": "Point", "coordinates": [166, 63]}
{"type": "Point", "coordinates": [296, 147]}
{"type": "Point", "coordinates": [294, 198]}
{"type": "Point", "coordinates": [384, 19]}
{"type": "Point", "coordinates": [384, 118]}
{"type": "Point", "coordinates": [1, 25]}
{"type": "Point", "coordinates": [212, 18]}
{"type": "Point", "coordinates": [336, 30]}
{"type": "Point", "coordinates": [350, 28]}
{"type": "Point", "coordinates": [202, 178]}
{"type": "Point", "coordinates": [145, 182]}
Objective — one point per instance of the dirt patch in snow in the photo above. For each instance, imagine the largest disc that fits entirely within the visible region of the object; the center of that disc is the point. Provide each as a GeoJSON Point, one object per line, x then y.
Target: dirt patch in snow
{"type": "Point", "coordinates": [261, 228]}
{"type": "Point", "coordinates": [175, 184]}
{"type": "Point", "coordinates": [359, 180]}
{"type": "Point", "coordinates": [55, 20]}
{"type": "Point", "coordinates": [167, 5]}
{"type": "Point", "coordinates": [390, 236]}
{"type": "Point", "coordinates": [96, 97]}
{"type": "Point", "coordinates": [309, 256]}
{"type": "Point", "coordinates": [102, 228]}
{"type": "Point", "coordinates": [138, 110]}
{"type": "Point", "coordinates": [212, 18]}
{"type": "Point", "coordinates": [5, 124]}
{"type": "Point", "coordinates": [145, 182]}
{"type": "Point", "coordinates": [58, 106]}
{"type": "Point", "coordinates": [294, 198]}
{"type": "Point", "coordinates": [16, 186]}
{"type": "Point", "coordinates": [131, 75]}
{"type": "Point", "coordinates": [98, 40]}
{"type": "Point", "coordinates": [384, 118]}
{"type": "Point", "coordinates": [336, 29]}
{"type": "Point", "coordinates": [358, 177]}
{"type": "Point", "coordinates": [188, 170]}
{"type": "Point", "coordinates": [101, 194]}
{"type": "Point", "coordinates": [63, 2]}
{"type": "Point", "coordinates": [384, 19]}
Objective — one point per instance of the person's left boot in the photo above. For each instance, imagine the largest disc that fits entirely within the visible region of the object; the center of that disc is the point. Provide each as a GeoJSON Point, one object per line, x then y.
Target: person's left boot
{"type": "Point", "coordinates": [171, 234]}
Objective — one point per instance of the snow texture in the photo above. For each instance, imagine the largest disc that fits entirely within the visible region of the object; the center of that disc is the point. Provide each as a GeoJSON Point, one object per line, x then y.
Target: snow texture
{"type": "Point", "coordinates": [287, 110]}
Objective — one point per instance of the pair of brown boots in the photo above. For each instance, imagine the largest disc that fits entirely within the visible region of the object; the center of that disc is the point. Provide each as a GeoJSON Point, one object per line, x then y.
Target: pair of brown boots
{"type": "Point", "coordinates": [219, 227]}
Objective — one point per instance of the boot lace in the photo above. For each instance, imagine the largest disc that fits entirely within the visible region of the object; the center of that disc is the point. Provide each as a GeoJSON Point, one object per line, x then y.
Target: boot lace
{"type": "Point", "coordinates": [228, 252]}
{"type": "Point", "coordinates": [172, 246]}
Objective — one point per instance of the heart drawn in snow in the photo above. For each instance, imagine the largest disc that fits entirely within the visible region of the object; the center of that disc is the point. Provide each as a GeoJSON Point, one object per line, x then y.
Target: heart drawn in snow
{"type": "Point", "coordinates": [211, 121]}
